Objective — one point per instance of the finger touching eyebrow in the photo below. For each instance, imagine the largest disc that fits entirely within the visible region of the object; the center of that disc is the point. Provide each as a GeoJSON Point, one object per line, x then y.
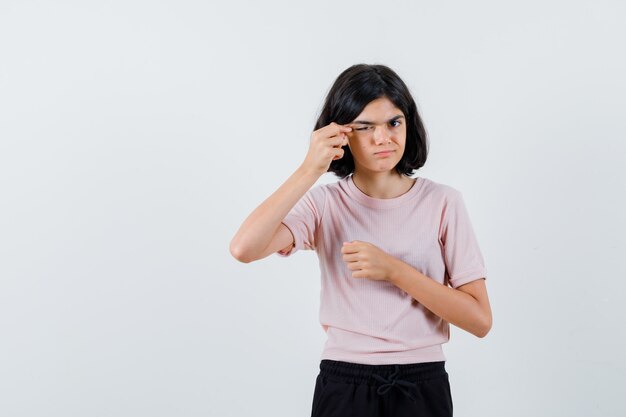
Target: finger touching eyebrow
{"type": "Point", "coordinates": [367, 122]}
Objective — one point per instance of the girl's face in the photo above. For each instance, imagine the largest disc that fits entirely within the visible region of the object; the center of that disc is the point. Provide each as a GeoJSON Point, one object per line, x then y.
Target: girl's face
{"type": "Point", "coordinates": [381, 126]}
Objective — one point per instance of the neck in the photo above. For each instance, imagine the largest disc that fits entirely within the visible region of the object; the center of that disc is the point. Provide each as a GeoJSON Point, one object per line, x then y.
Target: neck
{"type": "Point", "coordinates": [383, 184]}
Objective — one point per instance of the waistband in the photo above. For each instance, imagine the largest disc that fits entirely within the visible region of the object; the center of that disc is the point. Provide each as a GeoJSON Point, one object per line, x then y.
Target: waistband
{"type": "Point", "coordinates": [405, 377]}
{"type": "Point", "coordinates": [359, 372]}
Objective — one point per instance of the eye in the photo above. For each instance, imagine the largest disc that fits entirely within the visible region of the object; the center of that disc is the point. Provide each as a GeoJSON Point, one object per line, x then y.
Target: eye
{"type": "Point", "coordinates": [398, 122]}
{"type": "Point", "coordinates": [363, 128]}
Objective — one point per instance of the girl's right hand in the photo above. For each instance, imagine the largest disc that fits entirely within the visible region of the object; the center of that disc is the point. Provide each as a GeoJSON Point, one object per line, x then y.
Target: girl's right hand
{"type": "Point", "coordinates": [326, 146]}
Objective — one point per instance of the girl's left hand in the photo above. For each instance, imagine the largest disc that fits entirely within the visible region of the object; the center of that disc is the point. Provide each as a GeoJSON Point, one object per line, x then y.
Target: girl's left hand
{"type": "Point", "coordinates": [368, 261]}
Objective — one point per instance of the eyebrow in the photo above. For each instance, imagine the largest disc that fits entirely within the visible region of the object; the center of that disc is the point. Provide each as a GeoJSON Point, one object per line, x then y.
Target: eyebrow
{"type": "Point", "coordinates": [366, 122]}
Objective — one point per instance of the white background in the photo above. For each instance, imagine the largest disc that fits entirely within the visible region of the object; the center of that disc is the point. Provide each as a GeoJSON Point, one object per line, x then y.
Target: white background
{"type": "Point", "coordinates": [136, 136]}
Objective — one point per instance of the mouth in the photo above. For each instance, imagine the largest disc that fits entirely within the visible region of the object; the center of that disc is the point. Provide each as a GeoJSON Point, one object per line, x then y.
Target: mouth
{"type": "Point", "coordinates": [384, 153]}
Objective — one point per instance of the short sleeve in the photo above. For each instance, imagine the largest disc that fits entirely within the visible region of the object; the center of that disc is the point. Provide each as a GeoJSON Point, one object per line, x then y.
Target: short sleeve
{"type": "Point", "coordinates": [463, 258]}
{"type": "Point", "coordinates": [303, 221]}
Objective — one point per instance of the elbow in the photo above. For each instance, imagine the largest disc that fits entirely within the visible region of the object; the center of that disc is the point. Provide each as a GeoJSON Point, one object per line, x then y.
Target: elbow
{"type": "Point", "coordinates": [239, 254]}
{"type": "Point", "coordinates": [484, 328]}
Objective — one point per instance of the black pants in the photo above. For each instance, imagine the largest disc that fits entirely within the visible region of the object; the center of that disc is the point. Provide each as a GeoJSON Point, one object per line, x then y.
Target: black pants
{"type": "Point", "coordinates": [346, 389]}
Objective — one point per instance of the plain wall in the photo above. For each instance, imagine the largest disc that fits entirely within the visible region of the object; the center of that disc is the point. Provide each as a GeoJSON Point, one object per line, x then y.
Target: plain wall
{"type": "Point", "coordinates": [136, 136]}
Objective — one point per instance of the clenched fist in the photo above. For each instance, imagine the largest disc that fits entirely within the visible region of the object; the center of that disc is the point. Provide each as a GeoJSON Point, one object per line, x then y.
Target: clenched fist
{"type": "Point", "coordinates": [368, 261]}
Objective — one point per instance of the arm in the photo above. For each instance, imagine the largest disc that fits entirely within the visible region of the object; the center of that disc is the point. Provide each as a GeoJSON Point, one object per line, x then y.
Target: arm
{"type": "Point", "coordinates": [466, 307]}
{"type": "Point", "coordinates": [257, 231]}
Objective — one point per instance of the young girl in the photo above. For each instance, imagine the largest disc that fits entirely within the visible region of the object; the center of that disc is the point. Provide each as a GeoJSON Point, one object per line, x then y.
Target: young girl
{"type": "Point", "coordinates": [398, 256]}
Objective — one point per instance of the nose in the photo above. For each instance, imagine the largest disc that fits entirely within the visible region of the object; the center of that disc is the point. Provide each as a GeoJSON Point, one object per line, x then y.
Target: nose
{"type": "Point", "coordinates": [382, 135]}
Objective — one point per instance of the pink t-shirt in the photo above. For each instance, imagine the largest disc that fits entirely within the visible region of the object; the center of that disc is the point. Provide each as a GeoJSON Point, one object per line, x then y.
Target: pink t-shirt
{"type": "Point", "coordinates": [374, 322]}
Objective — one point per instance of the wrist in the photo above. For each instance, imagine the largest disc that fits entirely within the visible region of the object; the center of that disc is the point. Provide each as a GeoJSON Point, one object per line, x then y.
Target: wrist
{"type": "Point", "coordinates": [309, 172]}
{"type": "Point", "coordinates": [398, 268]}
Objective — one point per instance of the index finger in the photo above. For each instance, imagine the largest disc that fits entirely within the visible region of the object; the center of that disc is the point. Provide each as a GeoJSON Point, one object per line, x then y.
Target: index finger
{"type": "Point", "coordinates": [341, 128]}
{"type": "Point", "coordinates": [349, 249]}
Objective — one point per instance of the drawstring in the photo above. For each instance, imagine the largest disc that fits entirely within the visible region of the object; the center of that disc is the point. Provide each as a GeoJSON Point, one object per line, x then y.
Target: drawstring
{"type": "Point", "coordinates": [387, 384]}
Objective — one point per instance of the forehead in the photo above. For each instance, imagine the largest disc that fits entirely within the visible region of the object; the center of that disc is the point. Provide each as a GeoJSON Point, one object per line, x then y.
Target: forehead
{"type": "Point", "coordinates": [379, 110]}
